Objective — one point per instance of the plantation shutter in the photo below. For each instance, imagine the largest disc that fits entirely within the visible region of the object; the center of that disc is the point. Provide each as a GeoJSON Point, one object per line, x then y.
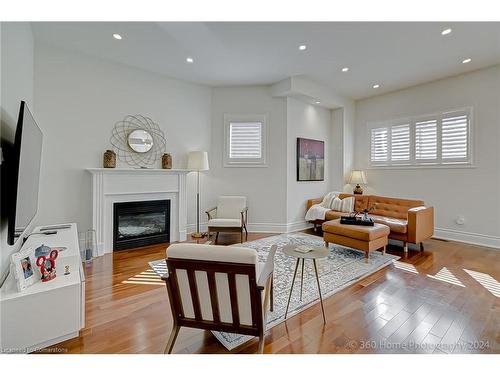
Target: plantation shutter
{"type": "Point", "coordinates": [426, 144]}
{"type": "Point", "coordinates": [400, 143]}
{"type": "Point", "coordinates": [379, 145]}
{"type": "Point", "coordinates": [454, 136]}
{"type": "Point", "coordinates": [245, 140]}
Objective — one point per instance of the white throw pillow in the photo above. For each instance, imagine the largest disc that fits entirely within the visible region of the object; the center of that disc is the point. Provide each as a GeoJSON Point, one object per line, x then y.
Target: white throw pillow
{"type": "Point", "coordinates": [348, 204]}
{"type": "Point", "coordinates": [336, 204]}
{"type": "Point", "coordinates": [327, 200]}
{"type": "Point", "coordinates": [343, 205]}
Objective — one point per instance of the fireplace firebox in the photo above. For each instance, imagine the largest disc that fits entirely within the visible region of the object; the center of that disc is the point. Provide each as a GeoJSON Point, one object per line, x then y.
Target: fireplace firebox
{"type": "Point", "coordinates": [137, 224]}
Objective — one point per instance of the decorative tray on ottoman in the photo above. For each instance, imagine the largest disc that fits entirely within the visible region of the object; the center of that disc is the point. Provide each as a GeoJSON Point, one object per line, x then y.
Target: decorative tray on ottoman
{"type": "Point", "coordinates": [352, 220]}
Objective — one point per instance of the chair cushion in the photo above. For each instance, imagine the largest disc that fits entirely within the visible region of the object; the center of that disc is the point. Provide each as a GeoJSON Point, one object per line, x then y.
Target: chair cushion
{"type": "Point", "coordinates": [214, 253]}
{"type": "Point", "coordinates": [230, 207]}
{"type": "Point", "coordinates": [358, 232]}
{"type": "Point", "coordinates": [224, 223]}
{"type": "Point", "coordinates": [396, 225]}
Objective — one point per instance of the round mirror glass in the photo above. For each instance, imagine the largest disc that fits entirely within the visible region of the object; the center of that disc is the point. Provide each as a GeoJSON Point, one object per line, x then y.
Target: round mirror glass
{"type": "Point", "coordinates": [140, 141]}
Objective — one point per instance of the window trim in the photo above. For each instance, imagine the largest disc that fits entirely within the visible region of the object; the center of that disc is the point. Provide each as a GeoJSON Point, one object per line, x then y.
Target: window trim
{"type": "Point", "coordinates": [250, 163]}
{"type": "Point", "coordinates": [412, 163]}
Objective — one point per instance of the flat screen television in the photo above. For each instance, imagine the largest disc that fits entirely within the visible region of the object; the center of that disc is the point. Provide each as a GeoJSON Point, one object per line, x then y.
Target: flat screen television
{"type": "Point", "coordinates": [24, 174]}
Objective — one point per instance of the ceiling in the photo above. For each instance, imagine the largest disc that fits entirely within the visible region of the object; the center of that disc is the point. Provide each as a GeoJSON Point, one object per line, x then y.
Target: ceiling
{"type": "Point", "coordinates": [393, 54]}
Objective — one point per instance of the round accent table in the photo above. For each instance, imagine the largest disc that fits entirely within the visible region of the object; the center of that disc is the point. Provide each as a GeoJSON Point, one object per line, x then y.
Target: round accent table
{"type": "Point", "coordinates": [314, 253]}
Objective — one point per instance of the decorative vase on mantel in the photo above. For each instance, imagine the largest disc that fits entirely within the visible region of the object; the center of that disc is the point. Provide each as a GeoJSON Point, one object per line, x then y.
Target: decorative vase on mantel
{"type": "Point", "coordinates": [166, 161]}
{"type": "Point", "coordinates": [109, 159]}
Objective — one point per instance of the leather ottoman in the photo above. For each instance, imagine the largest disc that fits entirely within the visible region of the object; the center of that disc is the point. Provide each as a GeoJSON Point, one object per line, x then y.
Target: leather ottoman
{"type": "Point", "coordinates": [358, 237]}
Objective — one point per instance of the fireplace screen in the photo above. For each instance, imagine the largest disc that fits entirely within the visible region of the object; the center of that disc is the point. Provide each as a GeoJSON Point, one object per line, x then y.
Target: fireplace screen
{"type": "Point", "coordinates": [141, 223]}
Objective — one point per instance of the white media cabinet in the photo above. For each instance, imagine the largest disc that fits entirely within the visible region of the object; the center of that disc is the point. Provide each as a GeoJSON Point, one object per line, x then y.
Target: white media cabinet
{"type": "Point", "coordinates": [45, 313]}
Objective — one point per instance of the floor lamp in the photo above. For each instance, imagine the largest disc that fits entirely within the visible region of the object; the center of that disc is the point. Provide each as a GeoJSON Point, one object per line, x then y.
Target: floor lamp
{"type": "Point", "coordinates": [198, 161]}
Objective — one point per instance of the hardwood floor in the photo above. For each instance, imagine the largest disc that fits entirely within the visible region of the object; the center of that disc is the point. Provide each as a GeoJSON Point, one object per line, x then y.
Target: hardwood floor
{"type": "Point", "coordinates": [443, 300]}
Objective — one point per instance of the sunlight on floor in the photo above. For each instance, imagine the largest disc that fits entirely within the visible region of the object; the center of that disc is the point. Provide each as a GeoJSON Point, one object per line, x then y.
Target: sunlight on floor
{"type": "Point", "coordinates": [445, 275]}
{"type": "Point", "coordinates": [405, 266]}
{"type": "Point", "coordinates": [486, 281]}
{"type": "Point", "coordinates": [148, 277]}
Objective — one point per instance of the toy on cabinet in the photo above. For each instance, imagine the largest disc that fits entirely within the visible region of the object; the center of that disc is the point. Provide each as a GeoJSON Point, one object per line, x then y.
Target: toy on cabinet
{"type": "Point", "coordinates": [47, 265]}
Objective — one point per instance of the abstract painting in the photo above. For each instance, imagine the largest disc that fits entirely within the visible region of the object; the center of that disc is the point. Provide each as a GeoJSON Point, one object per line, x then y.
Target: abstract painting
{"type": "Point", "coordinates": [310, 160]}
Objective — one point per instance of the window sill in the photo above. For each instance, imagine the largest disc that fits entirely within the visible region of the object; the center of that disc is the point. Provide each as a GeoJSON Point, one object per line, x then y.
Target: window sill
{"type": "Point", "coordinates": [245, 165]}
{"type": "Point", "coordinates": [430, 166]}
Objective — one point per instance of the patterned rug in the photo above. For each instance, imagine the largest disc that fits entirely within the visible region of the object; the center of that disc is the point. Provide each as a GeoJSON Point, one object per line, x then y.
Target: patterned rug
{"type": "Point", "coordinates": [342, 268]}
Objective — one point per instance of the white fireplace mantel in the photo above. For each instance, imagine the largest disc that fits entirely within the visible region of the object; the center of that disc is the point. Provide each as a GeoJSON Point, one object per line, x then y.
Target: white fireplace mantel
{"type": "Point", "coordinates": [113, 185]}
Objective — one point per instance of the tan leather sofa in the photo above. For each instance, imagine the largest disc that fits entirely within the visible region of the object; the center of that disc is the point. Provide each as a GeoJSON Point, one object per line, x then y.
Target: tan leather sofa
{"type": "Point", "coordinates": [409, 220]}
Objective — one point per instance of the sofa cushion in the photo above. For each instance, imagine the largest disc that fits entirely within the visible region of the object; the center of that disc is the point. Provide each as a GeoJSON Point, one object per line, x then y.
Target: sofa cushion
{"type": "Point", "coordinates": [332, 215]}
{"type": "Point", "coordinates": [392, 207]}
{"type": "Point", "coordinates": [396, 225]}
{"type": "Point", "coordinates": [358, 232]}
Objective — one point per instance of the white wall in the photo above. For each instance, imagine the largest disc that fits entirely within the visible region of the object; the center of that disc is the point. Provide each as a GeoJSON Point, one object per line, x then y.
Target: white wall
{"type": "Point", "coordinates": [305, 121]}
{"type": "Point", "coordinates": [337, 146]}
{"type": "Point", "coordinates": [471, 192]}
{"type": "Point", "coordinates": [264, 187]}
{"type": "Point", "coordinates": [16, 85]}
{"type": "Point", "coordinates": [78, 101]}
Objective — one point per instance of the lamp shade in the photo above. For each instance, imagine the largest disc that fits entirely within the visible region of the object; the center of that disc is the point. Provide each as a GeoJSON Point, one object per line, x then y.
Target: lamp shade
{"type": "Point", "coordinates": [198, 161]}
{"type": "Point", "coordinates": [357, 177]}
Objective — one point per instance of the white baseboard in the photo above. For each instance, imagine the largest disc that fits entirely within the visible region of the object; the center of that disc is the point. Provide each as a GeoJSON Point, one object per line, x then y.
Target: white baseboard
{"type": "Point", "coordinates": [191, 228]}
{"type": "Point", "coordinates": [467, 237]}
{"type": "Point", "coordinates": [267, 227]}
{"type": "Point", "coordinates": [298, 225]}
{"type": "Point", "coordinates": [263, 227]}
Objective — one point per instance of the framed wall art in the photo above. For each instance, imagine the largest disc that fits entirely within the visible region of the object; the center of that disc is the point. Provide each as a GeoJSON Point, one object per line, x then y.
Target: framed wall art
{"type": "Point", "coordinates": [310, 160]}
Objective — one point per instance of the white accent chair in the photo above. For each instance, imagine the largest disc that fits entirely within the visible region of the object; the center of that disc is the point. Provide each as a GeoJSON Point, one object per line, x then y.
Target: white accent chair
{"type": "Point", "coordinates": [218, 288]}
{"type": "Point", "coordinates": [230, 215]}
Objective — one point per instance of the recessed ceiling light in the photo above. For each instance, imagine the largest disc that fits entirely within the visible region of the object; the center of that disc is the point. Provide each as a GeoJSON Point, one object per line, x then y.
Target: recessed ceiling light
{"type": "Point", "coordinates": [117, 36]}
{"type": "Point", "coordinates": [446, 32]}
{"type": "Point", "coordinates": [376, 86]}
{"type": "Point", "coordinates": [302, 47]}
{"type": "Point", "coordinates": [317, 102]}
{"type": "Point", "coordinates": [189, 60]}
{"type": "Point", "coordinates": [466, 61]}
{"type": "Point", "coordinates": [346, 69]}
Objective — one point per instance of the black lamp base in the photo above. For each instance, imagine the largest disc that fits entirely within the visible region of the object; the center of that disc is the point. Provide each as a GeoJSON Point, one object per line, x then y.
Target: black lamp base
{"type": "Point", "coordinates": [358, 189]}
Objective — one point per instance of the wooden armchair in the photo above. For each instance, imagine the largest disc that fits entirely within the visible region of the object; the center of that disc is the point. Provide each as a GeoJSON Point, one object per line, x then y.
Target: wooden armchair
{"type": "Point", "coordinates": [218, 288]}
{"type": "Point", "coordinates": [230, 215]}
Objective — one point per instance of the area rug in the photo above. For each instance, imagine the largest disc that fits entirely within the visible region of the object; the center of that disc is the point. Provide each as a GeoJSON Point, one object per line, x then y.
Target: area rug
{"type": "Point", "coordinates": [343, 267]}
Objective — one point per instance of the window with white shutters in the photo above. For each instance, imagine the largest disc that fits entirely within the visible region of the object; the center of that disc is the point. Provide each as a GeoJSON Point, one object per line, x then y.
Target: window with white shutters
{"type": "Point", "coordinates": [245, 140]}
{"type": "Point", "coordinates": [454, 137]}
{"type": "Point", "coordinates": [400, 143]}
{"type": "Point", "coordinates": [439, 139]}
{"type": "Point", "coordinates": [380, 145]}
{"type": "Point", "coordinates": [426, 141]}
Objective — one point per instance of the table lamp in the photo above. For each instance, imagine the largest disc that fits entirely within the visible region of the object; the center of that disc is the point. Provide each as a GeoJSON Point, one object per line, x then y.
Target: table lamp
{"type": "Point", "coordinates": [357, 177]}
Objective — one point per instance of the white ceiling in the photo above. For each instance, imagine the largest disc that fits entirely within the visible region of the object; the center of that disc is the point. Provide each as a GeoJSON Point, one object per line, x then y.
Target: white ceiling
{"type": "Point", "coordinates": [396, 55]}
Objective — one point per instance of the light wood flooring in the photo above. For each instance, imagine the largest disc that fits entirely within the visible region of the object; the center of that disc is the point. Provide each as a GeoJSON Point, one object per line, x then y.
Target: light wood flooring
{"type": "Point", "coordinates": [445, 299]}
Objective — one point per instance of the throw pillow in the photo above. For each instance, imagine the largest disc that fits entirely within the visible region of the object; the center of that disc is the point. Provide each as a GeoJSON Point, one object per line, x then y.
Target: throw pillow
{"type": "Point", "coordinates": [336, 204]}
{"type": "Point", "coordinates": [343, 205]}
{"type": "Point", "coordinates": [327, 200]}
{"type": "Point", "coordinates": [348, 204]}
